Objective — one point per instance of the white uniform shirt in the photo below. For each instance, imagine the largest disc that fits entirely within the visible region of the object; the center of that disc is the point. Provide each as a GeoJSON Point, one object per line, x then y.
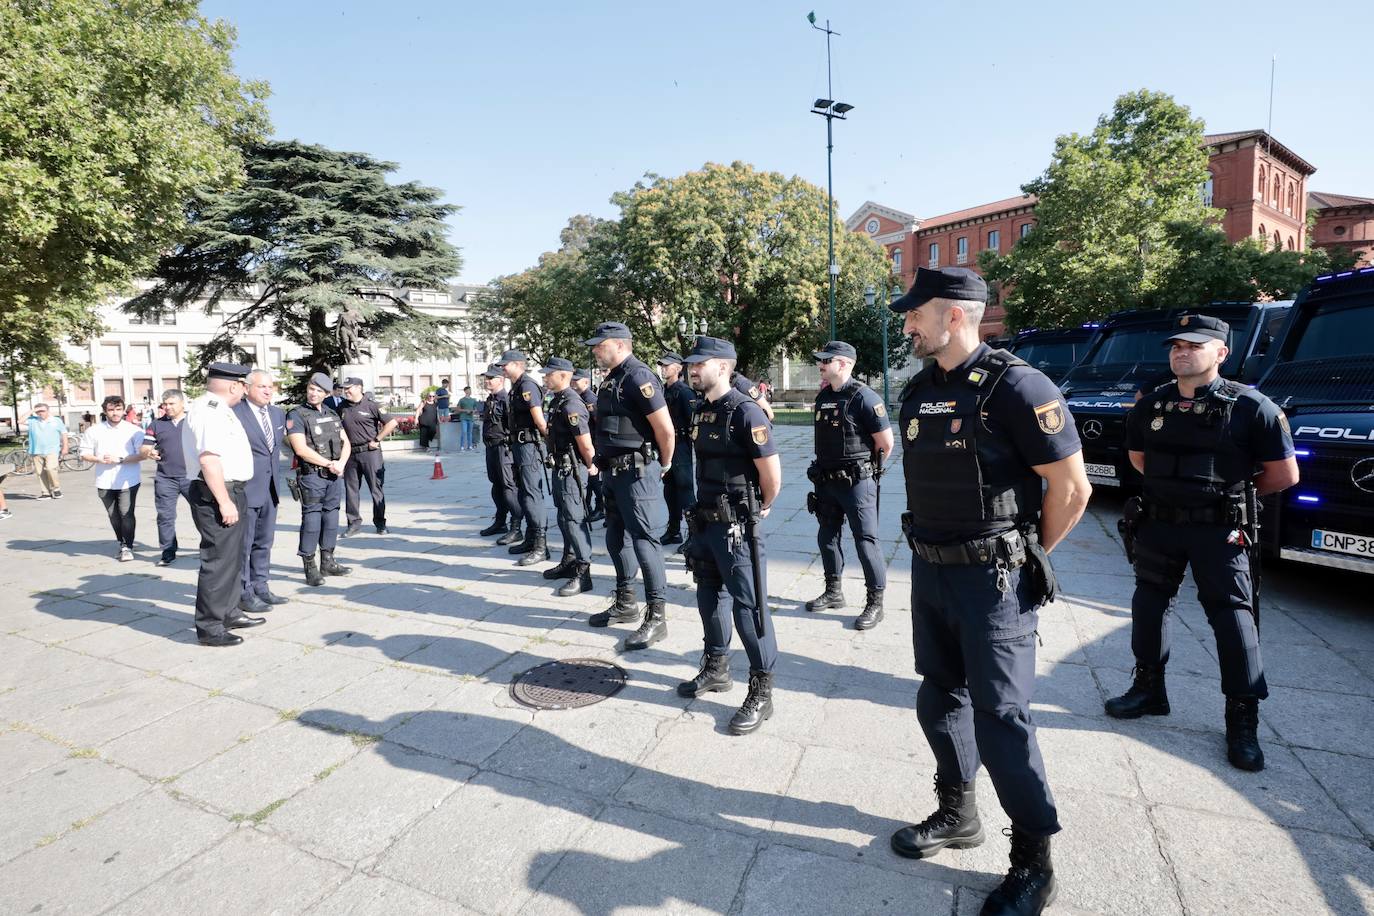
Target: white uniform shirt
{"type": "Point", "coordinates": [212, 426]}
{"type": "Point", "coordinates": [120, 440]}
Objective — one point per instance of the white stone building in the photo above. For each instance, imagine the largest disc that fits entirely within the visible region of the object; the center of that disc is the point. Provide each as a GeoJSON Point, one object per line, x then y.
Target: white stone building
{"type": "Point", "coordinates": [139, 360]}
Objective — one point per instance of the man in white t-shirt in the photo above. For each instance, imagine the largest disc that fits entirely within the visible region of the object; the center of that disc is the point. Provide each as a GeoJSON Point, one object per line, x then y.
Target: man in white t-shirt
{"type": "Point", "coordinates": [114, 445]}
{"type": "Point", "coordinates": [219, 461]}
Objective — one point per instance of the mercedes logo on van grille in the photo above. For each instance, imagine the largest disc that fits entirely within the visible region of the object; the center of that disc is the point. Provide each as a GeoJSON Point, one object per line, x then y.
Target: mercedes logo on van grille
{"type": "Point", "coordinates": [1092, 429]}
{"type": "Point", "coordinates": [1362, 474]}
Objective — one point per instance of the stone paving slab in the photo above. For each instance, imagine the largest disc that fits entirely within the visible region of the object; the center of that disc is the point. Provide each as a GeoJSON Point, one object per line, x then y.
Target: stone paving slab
{"type": "Point", "coordinates": [362, 753]}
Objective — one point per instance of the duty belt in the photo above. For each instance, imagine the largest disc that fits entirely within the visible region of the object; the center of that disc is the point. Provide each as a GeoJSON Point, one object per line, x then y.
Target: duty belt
{"type": "Point", "coordinates": [720, 510]}
{"type": "Point", "coordinates": [850, 473]}
{"type": "Point", "coordinates": [526, 436]}
{"type": "Point", "coordinates": [1008, 547]}
{"type": "Point", "coordinates": [1230, 512]}
{"type": "Point", "coordinates": [627, 462]}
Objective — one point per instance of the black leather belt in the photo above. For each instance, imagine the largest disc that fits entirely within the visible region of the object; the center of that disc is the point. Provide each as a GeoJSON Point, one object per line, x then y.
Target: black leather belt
{"type": "Point", "coordinates": [1008, 548]}
{"type": "Point", "coordinates": [849, 473]}
{"type": "Point", "coordinates": [526, 436]}
{"type": "Point", "coordinates": [1223, 514]}
{"type": "Point", "coordinates": [628, 462]}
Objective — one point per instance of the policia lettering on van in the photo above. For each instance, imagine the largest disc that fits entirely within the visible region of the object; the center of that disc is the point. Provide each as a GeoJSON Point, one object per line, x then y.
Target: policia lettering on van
{"type": "Point", "coordinates": [1323, 378]}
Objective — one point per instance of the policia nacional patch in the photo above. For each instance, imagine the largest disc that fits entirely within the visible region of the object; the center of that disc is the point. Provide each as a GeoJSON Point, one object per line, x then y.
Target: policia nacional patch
{"type": "Point", "coordinates": [760, 434]}
{"type": "Point", "coordinates": [912, 429]}
{"type": "Point", "coordinates": [647, 389]}
{"type": "Point", "coordinates": [1050, 417]}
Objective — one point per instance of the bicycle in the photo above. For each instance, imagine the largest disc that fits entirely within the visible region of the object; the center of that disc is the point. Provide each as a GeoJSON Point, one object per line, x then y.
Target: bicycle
{"type": "Point", "coordinates": [21, 459]}
{"type": "Point", "coordinates": [73, 461]}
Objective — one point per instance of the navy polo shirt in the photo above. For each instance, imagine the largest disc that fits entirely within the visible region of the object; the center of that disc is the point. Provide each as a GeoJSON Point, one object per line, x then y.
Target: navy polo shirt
{"type": "Point", "coordinates": [167, 436]}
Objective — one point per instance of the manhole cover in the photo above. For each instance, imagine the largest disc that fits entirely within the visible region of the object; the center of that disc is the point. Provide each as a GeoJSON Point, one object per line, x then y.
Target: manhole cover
{"type": "Point", "coordinates": [569, 684]}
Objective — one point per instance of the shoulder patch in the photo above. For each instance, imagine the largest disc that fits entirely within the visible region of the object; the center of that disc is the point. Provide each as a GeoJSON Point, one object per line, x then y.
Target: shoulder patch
{"type": "Point", "coordinates": [573, 419]}
{"type": "Point", "coordinates": [647, 389]}
{"type": "Point", "coordinates": [525, 395]}
{"type": "Point", "coordinates": [1283, 421]}
{"type": "Point", "coordinates": [754, 392]}
{"type": "Point", "coordinates": [1050, 417]}
{"type": "Point", "coordinates": [290, 422]}
{"type": "Point", "coordinates": [880, 410]}
{"type": "Point", "coordinates": [759, 434]}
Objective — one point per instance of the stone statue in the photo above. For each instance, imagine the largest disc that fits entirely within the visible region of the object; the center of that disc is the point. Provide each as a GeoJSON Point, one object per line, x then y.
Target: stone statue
{"type": "Point", "coordinates": [347, 330]}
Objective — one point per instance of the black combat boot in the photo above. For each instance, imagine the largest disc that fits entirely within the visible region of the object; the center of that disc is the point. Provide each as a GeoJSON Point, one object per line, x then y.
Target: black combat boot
{"type": "Point", "coordinates": [833, 596]}
{"type": "Point", "coordinates": [758, 704]}
{"type": "Point", "coordinates": [873, 611]}
{"type": "Point", "coordinates": [622, 610]}
{"type": "Point", "coordinates": [565, 567]}
{"type": "Point", "coordinates": [580, 582]}
{"type": "Point", "coordinates": [674, 535]}
{"type": "Point", "coordinates": [713, 677]}
{"type": "Point", "coordinates": [954, 824]}
{"type": "Point", "coordinates": [312, 572]}
{"type": "Point", "coordinates": [652, 629]}
{"type": "Point", "coordinates": [496, 527]}
{"type": "Point", "coordinates": [1146, 697]}
{"type": "Point", "coordinates": [512, 536]}
{"type": "Point", "coordinates": [1242, 744]}
{"type": "Point", "coordinates": [1029, 887]}
{"type": "Point", "coordinates": [538, 552]}
{"type": "Point", "coordinates": [329, 566]}
{"type": "Point", "coordinates": [526, 542]}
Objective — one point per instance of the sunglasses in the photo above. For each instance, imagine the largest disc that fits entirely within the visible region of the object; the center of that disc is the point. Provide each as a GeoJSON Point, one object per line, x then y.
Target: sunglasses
{"type": "Point", "coordinates": [827, 361]}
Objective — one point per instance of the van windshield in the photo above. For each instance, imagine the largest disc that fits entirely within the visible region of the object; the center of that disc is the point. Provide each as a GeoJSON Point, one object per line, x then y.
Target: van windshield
{"type": "Point", "coordinates": [1335, 330]}
{"type": "Point", "coordinates": [1044, 353]}
{"type": "Point", "coordinates": [1131, 345]}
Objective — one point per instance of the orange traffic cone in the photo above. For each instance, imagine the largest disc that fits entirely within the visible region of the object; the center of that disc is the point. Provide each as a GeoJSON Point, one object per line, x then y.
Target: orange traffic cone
{"type": "Point", "coordinates": [438, 469]}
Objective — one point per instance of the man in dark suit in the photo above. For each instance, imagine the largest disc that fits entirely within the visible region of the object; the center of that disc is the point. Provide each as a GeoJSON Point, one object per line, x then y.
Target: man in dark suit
{"type": "Point", "coordinates": [265, 424]}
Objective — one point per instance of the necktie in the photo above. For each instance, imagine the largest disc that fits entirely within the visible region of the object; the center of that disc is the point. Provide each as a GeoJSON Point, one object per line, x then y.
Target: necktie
{"type": "Point", "coordinates": [266, 427]}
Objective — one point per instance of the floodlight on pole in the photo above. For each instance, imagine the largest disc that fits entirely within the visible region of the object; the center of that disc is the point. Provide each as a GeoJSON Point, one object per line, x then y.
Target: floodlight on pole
{"type": "Point", "coordinates": [829, 109]}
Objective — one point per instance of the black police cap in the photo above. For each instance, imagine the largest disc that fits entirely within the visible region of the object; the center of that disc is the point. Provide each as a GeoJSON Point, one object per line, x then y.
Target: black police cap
{"type": "Point", "coordinates": [669, 358]}
{"type": "Point", "coordinates": [608, 330]}
{"type": "Point", "coordinates": [836, 348]}
{"type": "Point", "coordinates": [945, 283]}
{"type": "Point", "coordinates": [232, 371]}
{"type": "Point", "coordinates": [511, 356]}
{"type": "Point", "coordinates": [493, 371]}
{"type": "Point", "coordinates": [705, 348]}
{"type": "Point", "coordinates": [559, 364]}
{"type": "Point", "coordinates": [1199, 329]}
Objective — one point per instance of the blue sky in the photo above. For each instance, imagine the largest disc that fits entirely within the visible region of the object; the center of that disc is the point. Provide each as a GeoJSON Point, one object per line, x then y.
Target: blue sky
{"type": "Point", "coordinates": [527, 113]}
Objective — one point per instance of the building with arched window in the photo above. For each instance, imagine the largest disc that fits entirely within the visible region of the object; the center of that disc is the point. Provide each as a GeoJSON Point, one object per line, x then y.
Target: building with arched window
{"type": "Point", "coordinates": [1344, 221]}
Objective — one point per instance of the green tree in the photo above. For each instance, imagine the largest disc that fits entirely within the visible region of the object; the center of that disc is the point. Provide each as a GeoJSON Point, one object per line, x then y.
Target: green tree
{"type": "Point", "coordinates": [318, 243]}
{"type": "Point", "coordinates": [856, 322]}
{"type": "Point", "coordinates": [1113, 205]}
{"type": "Point", "coordinates": [742, 248]}
{"type": "Point", "coordinates": [549, 309]}
{"type": "Point", "coordinates": [112, 113]}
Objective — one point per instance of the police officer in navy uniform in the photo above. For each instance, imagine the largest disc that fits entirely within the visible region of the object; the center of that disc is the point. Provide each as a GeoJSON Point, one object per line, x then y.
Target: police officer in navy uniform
{"type": "Point", "coordinates": [582, 383]}
{"type": "Point", "coordinates": [634, 450]}
{"type": "Point", "coordinates": [528, 429]}
{"type": "Point", "coordinates": [495, 413]}
{"type": "Point", "coordinates": [745, 386]}
{"type": "Point", "coordinates": [678, 485]}
{"type": "Point", "coordinates": [316, 434]}
{"type": "Point", "coordinates": [1199, 442]}
{"type": "Point", "coordinates": [220, 463]}
{"type": "Point", "coordinates": [853, 440]}
{"type": "Point", "coordinates": [739, 475]}
{"type": "Point", "coordinates": [366, 426]}
{"type": "Point", "coordinates": [572, 459]}
{"type": "Point", "coordinates": [994, 480]}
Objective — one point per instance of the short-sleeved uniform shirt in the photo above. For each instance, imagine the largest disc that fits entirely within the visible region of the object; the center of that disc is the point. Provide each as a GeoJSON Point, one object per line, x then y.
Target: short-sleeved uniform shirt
{"type": "Point", "coordinates": [749, 435]}
{"type": "Point", "coordinates": [362, 421]}
{"type": "Point", "coordinates": [525, 395]}
{"type": "Point", "coordinates": [494, 419]}
{"type": "Point", "coordinates": [864, 408]}
{"type": "Point", "coordinates": [745, 386]}
{"type": "Point", "coordinates": [681, 400]}
{"type": "Point", "coordinates": [1258, 426]}
{"type": "Point", "coordinates": [568, 417]}
{"type": "Point", "coordinates": [167, 435]}
{"type": "Point", "coordinates": [212, 426]}
{"type": "Point", "coordinates": [641, 390]}
{"type": "Point", "coordinates": [1025, 411]}
{"type": "Point", "coordinates": [121, 440]}
{"type": "Point", "coordinates": [320, 426]}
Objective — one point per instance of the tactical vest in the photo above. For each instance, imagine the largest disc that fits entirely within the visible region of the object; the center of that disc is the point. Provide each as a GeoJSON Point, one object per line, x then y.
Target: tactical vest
{"type": "Point", "coordinates": [521, 418]}
{"type": "Point", "coordinates": [680, 407]}
{"type": "Point", "coordinates": [323, 432]}
{"type": "Point", "coordinates": [494, 424]}
{"type": "Point", "coordinates": [561, 432]}
{"type": "Point", "coordinates": [589, 399]}
{"type": "Point", "coordinates": [615, 428]}
{"type": "Point", "coordinates": [838, 438]}
{"type": "Point", "coordinates": [1191, 459]}
{"type": "Point", "coordinates": [722, 466]}
{"type": "Point", "coordinates": [947, 451]}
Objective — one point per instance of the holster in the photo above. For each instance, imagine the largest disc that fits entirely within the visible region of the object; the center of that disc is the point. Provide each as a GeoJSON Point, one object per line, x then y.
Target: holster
{"type": "Point", "coordinates": [294, 485]}
{"type": "Point", "coordinates": [1129, 524]}
{"type": "Point", "coordinates": [1041, 571]}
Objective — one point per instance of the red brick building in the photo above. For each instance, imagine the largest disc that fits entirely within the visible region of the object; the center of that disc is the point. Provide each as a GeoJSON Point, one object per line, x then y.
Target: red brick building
{"type": "Point", "coordinates": [1344, 222]}
{"type": "Point", "coordinates": [1259, 183]}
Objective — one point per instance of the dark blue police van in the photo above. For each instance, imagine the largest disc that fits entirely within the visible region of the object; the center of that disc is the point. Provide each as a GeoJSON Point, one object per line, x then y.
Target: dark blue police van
{"type": "Point", "coordinates": [1053, 350]}
{"type": "Point", "coordinates": [1322, 376]}
{"type": "Point", "coordinates": [1127, 355]}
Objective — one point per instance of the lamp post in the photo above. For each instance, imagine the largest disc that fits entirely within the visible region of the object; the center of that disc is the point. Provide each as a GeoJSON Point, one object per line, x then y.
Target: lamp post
{"type": "Point", "coordinates": [830, 110]}
{"type": "Point", "coordinates": [683, 326]}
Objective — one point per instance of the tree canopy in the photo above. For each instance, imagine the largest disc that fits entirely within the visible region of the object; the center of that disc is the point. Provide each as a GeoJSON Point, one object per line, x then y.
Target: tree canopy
{"type": "Point", "coordinates": [742, 249]}
{"type": "Point", "coordinates": [319, 244]}
{"type": "Point", "coordinates": [112, 114]}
